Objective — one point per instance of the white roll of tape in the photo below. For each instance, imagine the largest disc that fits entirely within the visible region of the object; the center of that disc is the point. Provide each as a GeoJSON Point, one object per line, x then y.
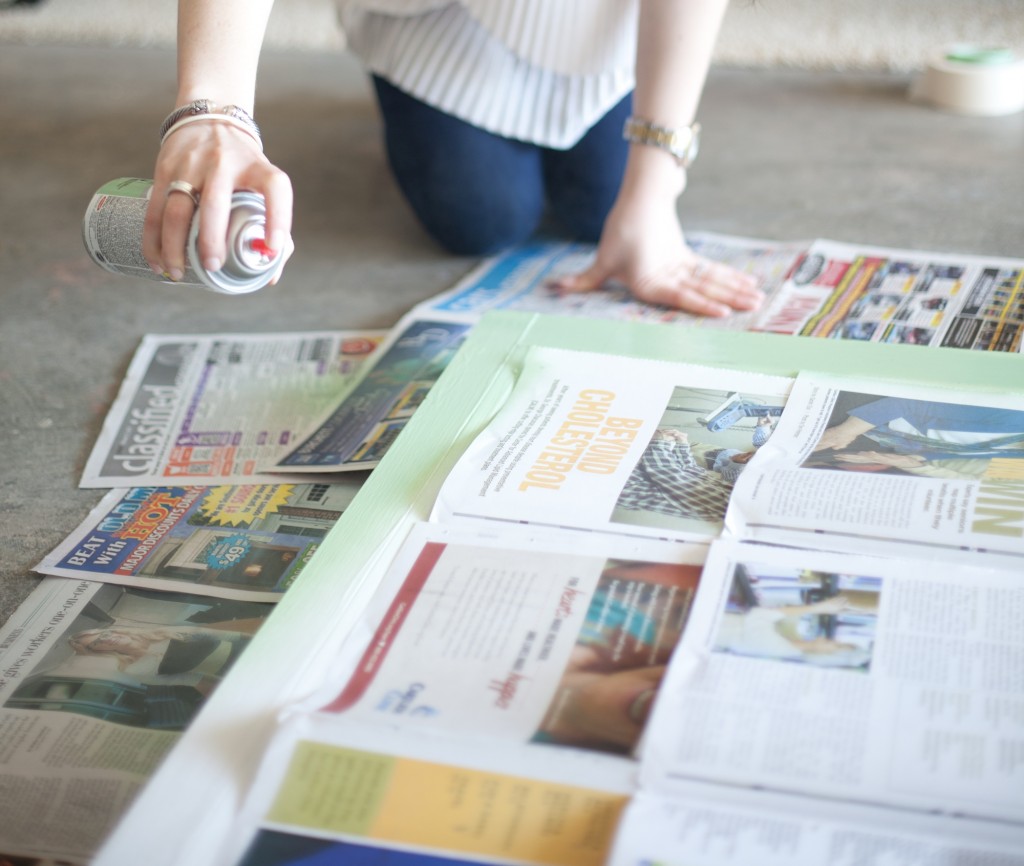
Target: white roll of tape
{"type": "Point", "coordinates": [971, 80]}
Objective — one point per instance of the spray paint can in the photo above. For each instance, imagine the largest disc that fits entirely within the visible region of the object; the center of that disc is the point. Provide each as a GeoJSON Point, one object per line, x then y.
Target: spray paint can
{"type": "Point", "coordinates": [112, 231]}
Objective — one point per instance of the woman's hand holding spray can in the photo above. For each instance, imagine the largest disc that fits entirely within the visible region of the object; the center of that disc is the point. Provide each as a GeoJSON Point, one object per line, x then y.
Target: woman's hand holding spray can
{"type": "Point", "coordinates": [115, 220]}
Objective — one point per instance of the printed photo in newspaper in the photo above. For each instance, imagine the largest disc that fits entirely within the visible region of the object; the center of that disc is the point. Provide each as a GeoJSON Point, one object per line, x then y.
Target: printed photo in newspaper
{"type": "Point", "coordinates": [875, 680]}
{"type": "Point", "coordinates": [852, 461]}
{"type": "Point", "coordinates": [617, 444]}
{"type": "Point", "coordinates": [519, 635]}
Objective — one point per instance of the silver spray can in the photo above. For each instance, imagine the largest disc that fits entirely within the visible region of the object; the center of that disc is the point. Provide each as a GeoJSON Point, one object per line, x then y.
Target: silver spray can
{"type": "Point", "coordinates": [112, 231]}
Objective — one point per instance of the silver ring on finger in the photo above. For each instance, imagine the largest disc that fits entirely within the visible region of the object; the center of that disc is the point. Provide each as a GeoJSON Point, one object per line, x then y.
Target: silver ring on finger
{"type": "Point", "coordinates": [699, 269]}
{"type": "Point", "coordinates": [185, 187]}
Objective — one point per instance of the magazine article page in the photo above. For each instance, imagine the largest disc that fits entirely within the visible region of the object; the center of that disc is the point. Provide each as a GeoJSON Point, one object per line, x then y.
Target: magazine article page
{"type": "Point", "coordinates": [740, 828]}
{"type": "Point", "coordinates": [215, 409]}
{"type": "Point", "coordinates": [98, 681]}
{"type": "Point", "coordinates": [883, 681]}
{"type": "Point", "coordinates": [354, 432]}
{"type": "Point", "coordinates": [852, 460]}
{"type": "Point", "coordinates": [519, 635]}
{"type": "Point", "coordinates": [619, 444]}
{"type": "Point", "coordinates": [365, 794]}
{"type": "Point", "coordinates": [841, 290]}
{"type": "Point", "coordinates": [524, 278]}
{"type": "Point", "coordinates": [244, 541]}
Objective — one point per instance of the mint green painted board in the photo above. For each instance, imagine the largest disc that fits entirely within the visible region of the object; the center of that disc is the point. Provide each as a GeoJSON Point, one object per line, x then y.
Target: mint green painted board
{"type": "Point", "coordinates": [404, 486]}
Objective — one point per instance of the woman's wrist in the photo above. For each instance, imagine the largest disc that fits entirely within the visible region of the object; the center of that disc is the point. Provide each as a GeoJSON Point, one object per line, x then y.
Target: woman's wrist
{"type": "Point", "coordinates": [652, 174]}
{"type": "Point", "coordinates": [206, 111]}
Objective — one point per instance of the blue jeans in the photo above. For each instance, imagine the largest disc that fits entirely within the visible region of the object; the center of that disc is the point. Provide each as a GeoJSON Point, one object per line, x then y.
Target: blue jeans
{"type": "Point", "coordinates": [477, 193]}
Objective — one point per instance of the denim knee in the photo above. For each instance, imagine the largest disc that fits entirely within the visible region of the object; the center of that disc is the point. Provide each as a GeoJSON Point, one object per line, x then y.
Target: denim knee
{"type": "Point", "coordinates": [473, 217]}
{"type": "Point", "coordinates": [474, 192]}
{"type": "Point", "coordinates": [583, 181]}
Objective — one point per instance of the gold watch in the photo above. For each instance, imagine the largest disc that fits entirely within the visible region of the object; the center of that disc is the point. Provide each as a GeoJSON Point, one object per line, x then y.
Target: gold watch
{"type": "Point", "coordinates": [682, 143]}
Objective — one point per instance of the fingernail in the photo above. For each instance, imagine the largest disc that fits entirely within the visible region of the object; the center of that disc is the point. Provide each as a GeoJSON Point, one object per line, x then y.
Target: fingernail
{"type": "Point", "coordinates": [176, 274]}
{"type": "Point", "coordinates": [277, 240]}
{"type": "Point", "coordinates": [156, 269]}
{"type": "Point", "coordinates": [212, 264]}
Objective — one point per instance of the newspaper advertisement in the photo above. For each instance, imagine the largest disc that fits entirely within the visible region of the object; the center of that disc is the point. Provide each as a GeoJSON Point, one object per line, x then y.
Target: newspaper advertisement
{"type": "Point", "coordinates": [215, 409]}
{"type": "Point", "coordinates": [360, 794]}
{"type": "Point", "coordinates": [818, 288]}
{"type": "Point", "coordinates": [852, 460]}
{"type": "Point", "coordinates": [525, 636]}
{"type": "Point", "coordinates": [523, 280]}
{"type": "Point", "coordinates": [97, 683]}
{"type": "Point", "coordinates": [850, 677]}
{"type": "Point", "coordinates": [243, 541]}
{"type": "Point", "coordinates": [883, 295]}
{"type": "Point", "coordinates": [355, 432]}
{"type": "Point", "coordinates": [618, 444]}
{"type": "Point", "coordinates": [771, 830]}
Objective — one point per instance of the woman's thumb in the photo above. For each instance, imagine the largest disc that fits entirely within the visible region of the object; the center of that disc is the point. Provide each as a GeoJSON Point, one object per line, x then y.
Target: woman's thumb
{"type": "Point", "coordinates": [584, 281]}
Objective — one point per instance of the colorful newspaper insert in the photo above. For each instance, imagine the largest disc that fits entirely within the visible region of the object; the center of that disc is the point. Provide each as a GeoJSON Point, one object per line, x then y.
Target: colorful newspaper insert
{"type": "Point", "coordinates": [339, 793]}
{"type": "Point", "coordinates": [882, 295]}
{"type": "Point", "coordinates": [216, 409]}
{"type": "Point", "coordinates": [243, 541]}
{"type": "Point", "coordinates": [852, 460]}
{"type": "Point", "coordinates": [380, 801]}
{"type": "Point", "coordinates": [618, 444]}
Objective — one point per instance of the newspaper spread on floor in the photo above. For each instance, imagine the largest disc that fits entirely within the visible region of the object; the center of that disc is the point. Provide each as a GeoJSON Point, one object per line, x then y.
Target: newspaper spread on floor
{"type": "Point", "coordinates": [97, 682]}
{"type": "Point", "coordinates": [214, 409]}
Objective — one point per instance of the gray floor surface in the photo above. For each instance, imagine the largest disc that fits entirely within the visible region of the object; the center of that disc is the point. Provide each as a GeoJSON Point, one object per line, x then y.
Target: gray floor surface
{"type": "Point", "coordinates": [787, 155]}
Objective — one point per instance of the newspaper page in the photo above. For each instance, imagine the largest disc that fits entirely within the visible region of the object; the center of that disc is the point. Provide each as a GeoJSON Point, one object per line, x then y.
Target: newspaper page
{"type": "Point", "coordinates": [883, 295]}
{"type": "Point", "coordinates": [597, 442]}
{"type": "Point", "coordinates": [877, 680]}
{"type": "Point", "coordinates": [524, 636]}
{"type": "Point", "coordinates": [213, 409]}
{"type": "Point", "coordinates": [523, 280]}
{"type": "Point", "coordinates": [361, 794]}
{"type": "Point", "coordinates": [851, 460]}
{"type": "Point", "coordinates": [702, 826]}
{"type": "Point", "coordinates": [97, 682]}
{"type": "Point", "coordinates": [823, 288]}
{"type": "Point", "coordinates": [355, 432]}
{"type": "Point", "coordinates": [243, 541]}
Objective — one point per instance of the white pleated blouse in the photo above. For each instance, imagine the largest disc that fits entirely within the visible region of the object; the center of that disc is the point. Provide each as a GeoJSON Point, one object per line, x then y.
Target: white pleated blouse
{"type": "Point", "coordinates": [542, 71]}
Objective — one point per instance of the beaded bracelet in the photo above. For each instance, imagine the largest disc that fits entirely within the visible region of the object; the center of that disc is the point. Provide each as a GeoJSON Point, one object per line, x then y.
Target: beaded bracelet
{"type": "Point", "coordinates": [200, 109]}
{"type": "Point", "coordinates": [216, 118]}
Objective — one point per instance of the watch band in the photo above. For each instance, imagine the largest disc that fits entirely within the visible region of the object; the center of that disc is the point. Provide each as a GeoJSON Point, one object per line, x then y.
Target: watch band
{"type": "Point", "coordinates": [681, 143]}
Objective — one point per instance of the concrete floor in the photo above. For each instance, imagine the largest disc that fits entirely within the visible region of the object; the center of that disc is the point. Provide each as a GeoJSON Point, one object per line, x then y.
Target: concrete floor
{"type": "Point", "coordinates": [786, 155]}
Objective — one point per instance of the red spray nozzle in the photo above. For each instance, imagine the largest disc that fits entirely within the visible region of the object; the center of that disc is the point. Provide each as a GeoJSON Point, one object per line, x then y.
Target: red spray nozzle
{"type": "Point", "coordinates": [259, 245]}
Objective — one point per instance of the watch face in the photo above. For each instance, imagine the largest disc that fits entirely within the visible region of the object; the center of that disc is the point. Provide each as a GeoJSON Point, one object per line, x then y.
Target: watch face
{"type": "Point", "coordinates": [682, 143]}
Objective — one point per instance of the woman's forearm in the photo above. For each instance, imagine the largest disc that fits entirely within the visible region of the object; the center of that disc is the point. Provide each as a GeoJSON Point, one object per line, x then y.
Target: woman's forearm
{"type": "Point", "coordinates": [219, 45]}
{"type": "Point", "coordinates": [675, 41]}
